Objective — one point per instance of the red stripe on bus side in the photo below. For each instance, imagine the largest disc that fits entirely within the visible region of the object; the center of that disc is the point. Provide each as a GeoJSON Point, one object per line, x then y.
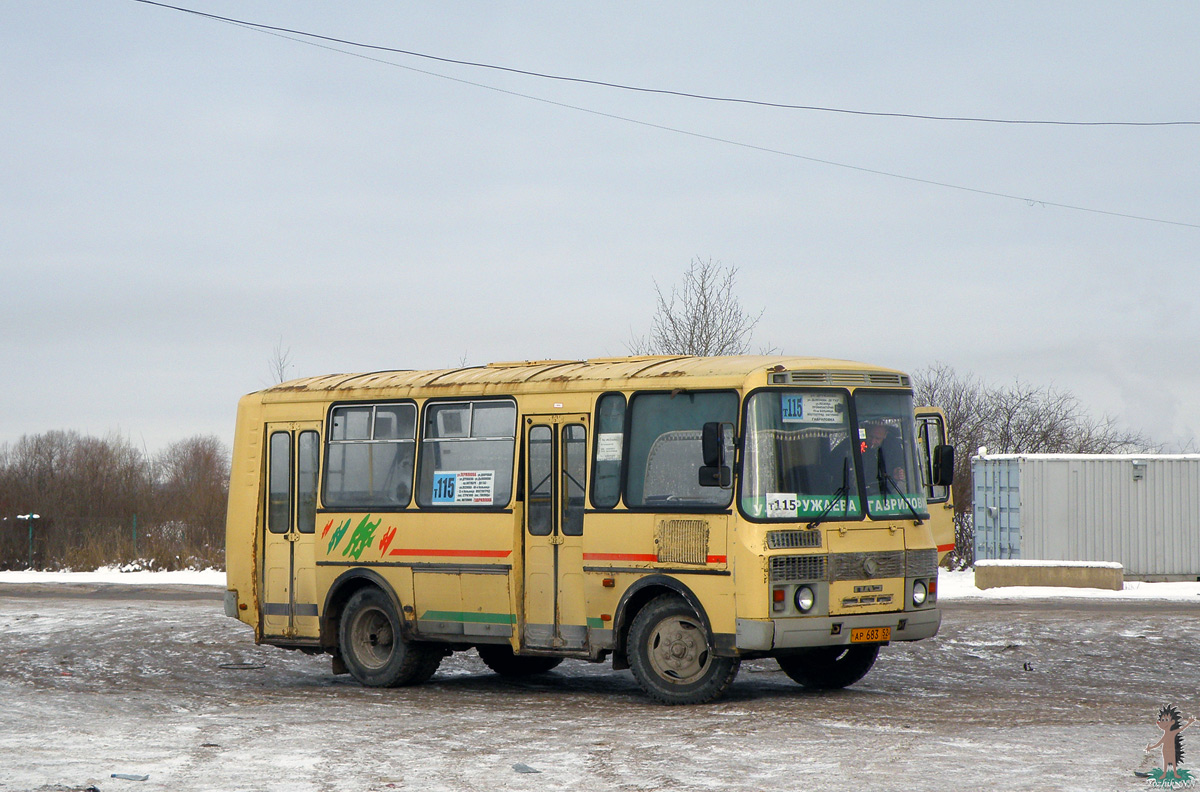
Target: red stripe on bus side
{"type": "Point", "coordinates": [620, 557]}
{"type": "Point", "coordinates": [408, 551]}
{"type": "Point", "coordinates": [945, 548]}
{"type": "Point", "coordinates": [716, 559]}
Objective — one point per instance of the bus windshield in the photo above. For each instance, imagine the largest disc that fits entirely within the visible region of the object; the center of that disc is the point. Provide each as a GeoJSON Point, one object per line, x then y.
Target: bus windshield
{"type": "Point", "coordinates": [888, 449]}
{"type": "Point", "coordinates": [800, 462]}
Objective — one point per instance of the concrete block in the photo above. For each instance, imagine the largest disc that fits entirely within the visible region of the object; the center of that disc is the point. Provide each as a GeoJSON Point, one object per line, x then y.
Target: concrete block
{"type": "Point", "coordinates": [1074, 574]}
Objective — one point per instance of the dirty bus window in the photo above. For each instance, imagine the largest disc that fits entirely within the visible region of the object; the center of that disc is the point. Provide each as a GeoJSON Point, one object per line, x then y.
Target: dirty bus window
{"type": "Point", "coordinates": [370, 455]}
{"type": "Point", "coordinates": [610, 438]}
{"type": "Point", "coordinates": [467, 454]}
{"type": "Point", "coordinates": [665, 452]}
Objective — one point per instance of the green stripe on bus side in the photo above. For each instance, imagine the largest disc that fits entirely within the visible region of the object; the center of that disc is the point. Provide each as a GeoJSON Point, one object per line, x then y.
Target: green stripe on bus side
{"type": "Point", "coordinates": [471, 618]}
{"type": "Point", "coordinates": [594, 623]}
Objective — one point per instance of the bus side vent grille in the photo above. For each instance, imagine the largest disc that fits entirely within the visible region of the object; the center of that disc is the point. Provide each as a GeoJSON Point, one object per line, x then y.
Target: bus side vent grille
{"type": "Point", "coordinates": [790, 540]}
{"type": "Point", "coordinates": [802, 567]}
{"type": "Point", "coordinates": [682, 541]}
{"type": "Point", "coordinates": [922, 563]}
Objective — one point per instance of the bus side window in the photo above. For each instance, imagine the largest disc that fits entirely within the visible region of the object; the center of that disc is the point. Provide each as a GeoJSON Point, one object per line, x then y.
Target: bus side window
{"type": "Point", "coordinates": [466, 457]}
{"type": "Point", "coordinates": [606, 458]}
{"type": "Point", "coordinates": [369, 461]}
{"type": "Point", "coordinates": [666, 451]}
{"type": "Point", "coordinates": [574, 452]}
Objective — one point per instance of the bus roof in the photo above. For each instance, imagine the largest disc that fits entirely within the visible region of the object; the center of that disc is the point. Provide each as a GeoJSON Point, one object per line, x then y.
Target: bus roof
{"type": "Point", "coordinates": [585, 375]}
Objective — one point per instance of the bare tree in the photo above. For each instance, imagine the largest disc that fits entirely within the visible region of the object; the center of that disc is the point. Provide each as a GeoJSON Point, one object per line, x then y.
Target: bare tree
{"type": "Point", "coordinates": [102, 501]}
{"type": "Point", "coordinates": [1017, 419]}
{"type": "Point", "coordinates": [280, 362]}
{"type": "Point", "coordinates": [702, 317]}
{"type": "Point", "coordinates": [193, 478]}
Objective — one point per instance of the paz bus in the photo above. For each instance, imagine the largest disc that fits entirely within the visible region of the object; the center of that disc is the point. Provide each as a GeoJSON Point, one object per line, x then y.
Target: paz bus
{"type": "Point", "coordinates": [673, 514]}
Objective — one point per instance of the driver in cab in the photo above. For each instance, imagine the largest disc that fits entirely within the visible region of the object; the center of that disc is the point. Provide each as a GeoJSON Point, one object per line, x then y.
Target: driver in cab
{"type": "Point", "coordinates": [881, 455]}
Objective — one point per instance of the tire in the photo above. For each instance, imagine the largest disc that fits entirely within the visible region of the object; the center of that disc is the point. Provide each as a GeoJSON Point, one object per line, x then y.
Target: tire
{"type": "Point", "coordinates": [671, 655]}
{"type": "Point", "coordinates": [829, 667]}
{"type": "Point", "coordinates": [500, 658]}
{"type": "Point", "coordinates": [374, 648]}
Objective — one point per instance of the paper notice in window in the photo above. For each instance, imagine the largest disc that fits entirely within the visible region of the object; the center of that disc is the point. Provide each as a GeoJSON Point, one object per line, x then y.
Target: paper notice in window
{"type": "Point", "coordinates": [464, 487]}
{"type": "Point", "coordinates": [608, 447]}
{"type": "Point", "coordinates": [813, 408]}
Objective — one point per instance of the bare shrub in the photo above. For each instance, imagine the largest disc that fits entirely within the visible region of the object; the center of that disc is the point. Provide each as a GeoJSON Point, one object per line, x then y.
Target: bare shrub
{"type": "Point", "coordinates": [703, 317]}
{"type": "Point", "coordinates": [103, 503]}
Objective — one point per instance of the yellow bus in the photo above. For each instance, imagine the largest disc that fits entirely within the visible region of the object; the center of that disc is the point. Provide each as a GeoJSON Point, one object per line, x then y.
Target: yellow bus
{"type": "Point", "coordinates": [674, 514]}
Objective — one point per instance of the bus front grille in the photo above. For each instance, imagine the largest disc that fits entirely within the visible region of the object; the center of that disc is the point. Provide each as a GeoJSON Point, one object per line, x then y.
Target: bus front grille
{"type": "Point", "coordinates": [854, 566]}
{"type": "Point", "coordinates": [803, 567]}
{"type": "Point", "coordinates": [922, 563]}
{"type": "Point", "coordinates": [866, 566]}
{"type": "Point", "coordinates": [791, 540]}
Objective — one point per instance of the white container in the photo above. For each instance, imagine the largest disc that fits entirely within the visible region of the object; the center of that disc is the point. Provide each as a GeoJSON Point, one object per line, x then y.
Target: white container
{"type": "Point", "coordinates": [1139, 510]}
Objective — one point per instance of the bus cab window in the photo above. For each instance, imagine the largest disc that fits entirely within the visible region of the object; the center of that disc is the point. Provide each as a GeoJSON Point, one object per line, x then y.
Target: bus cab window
{"type": "Point", "coordinates": [666, 452]}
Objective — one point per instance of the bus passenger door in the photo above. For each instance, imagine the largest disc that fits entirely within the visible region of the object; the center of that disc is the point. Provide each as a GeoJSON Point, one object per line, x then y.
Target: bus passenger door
{"type": "Point", "coordinates": [289, 590]}
{"type": "Point", "coordinates": [555, 474]}
{"type": "Point", "coordinates": [931, 433]}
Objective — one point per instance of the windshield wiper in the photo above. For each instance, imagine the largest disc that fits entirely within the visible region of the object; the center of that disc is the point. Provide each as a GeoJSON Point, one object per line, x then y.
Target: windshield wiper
{"type": "Point", "coordinates": [841, 492]}
{"type": "Point", "coordinates": [886, 480]}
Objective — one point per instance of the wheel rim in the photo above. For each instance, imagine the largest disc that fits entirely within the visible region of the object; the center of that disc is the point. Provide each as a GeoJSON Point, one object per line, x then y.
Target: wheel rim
{"type": "Point", "coordinates": [679, 650]}
{"type": "Point", "coordinates": [373, 638]}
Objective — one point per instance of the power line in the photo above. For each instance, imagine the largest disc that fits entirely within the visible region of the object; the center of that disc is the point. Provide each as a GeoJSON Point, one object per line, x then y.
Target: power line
{"type": "Point", "coordinates": [665, 91]}
{"type": "Point", "coordinates": [284, 34]}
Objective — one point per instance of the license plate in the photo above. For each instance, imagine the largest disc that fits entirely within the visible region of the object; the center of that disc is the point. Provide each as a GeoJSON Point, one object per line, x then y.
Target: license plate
{"type": "Point", "coordinates": [871, 635]}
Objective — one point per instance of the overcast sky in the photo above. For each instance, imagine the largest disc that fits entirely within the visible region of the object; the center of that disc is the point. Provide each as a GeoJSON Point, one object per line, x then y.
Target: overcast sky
{"type": "Point", "coordinates": [180, 195]}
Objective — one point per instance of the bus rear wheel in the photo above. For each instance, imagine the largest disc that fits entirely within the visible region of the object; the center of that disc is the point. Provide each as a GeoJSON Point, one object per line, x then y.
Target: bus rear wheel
{"type": "Point", "coordinates": [500, 658]}
{"type": "Point", "coordinates": [374, 648]}
{"type": "Point", "coordinates": [829, 667]}
{"type": "Point", "coordinates": [671, 655]}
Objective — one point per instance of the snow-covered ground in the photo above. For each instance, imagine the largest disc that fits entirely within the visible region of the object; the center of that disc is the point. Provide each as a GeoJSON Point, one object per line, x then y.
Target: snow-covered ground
{"type": "Point", "coordinates": [1059, 695]}
{"type": "Point", "coordinates": [951, 585]}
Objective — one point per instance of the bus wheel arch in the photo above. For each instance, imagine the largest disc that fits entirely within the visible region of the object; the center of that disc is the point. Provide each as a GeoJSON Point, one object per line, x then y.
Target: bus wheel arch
{"type": "Point", "coordinates": [365, 628]}
{"type": "Point", "coordinates": [340, 591]}
{"type": "Point", "coordinates": [638, 596]}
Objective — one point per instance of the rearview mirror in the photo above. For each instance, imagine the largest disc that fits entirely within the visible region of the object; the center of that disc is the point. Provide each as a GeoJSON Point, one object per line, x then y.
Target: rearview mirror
{"type": "Point", "coordinates": [943, 465]}
{"type": "Point", "coordinates": [712, 439]}
{"type": "Point", "coordinates": [716, 440]}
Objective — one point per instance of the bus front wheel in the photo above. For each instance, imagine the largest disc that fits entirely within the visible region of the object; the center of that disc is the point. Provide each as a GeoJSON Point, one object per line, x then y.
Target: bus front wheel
{"type": "Point", "coordinates": [373, 647]}
{"type": "Point", "coordinates": [829, 667]}
{"type": "Point", "coordinates": [671, 656]}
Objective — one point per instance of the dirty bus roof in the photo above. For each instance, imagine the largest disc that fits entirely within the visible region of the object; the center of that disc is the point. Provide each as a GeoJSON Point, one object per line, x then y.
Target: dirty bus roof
{"type": "Point", "coordinates": [636, 373]}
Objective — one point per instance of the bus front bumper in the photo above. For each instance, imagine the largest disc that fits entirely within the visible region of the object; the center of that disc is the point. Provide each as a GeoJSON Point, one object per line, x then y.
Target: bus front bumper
{"type": "Point", "coordinates": [760, 635]}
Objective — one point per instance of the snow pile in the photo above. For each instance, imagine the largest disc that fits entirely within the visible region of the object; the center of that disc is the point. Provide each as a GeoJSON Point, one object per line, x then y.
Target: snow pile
{"type": "Point", "coordinates": [961, 586]}
{"type": "Point", "coordinates": [185, 577]}
{"type": "Point", "coordinates": [1021, 562]}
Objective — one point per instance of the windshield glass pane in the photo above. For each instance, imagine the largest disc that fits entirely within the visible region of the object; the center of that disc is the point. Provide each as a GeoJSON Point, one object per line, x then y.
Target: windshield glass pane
{"type": "Point", "coordinates": [888, 450]}
{"type": "Point", "coordinates": [798, 461]}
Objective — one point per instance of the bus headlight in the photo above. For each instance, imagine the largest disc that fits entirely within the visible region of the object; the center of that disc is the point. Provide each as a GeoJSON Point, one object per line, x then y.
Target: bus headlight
{"type": "Point", "coordinates": [805, 599]}
{"type": "Point", "coordinates": [920, 593]}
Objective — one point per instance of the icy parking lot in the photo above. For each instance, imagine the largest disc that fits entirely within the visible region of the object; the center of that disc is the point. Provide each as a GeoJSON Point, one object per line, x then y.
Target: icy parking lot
{"type": "Point", "coordinates": [98, 679]}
